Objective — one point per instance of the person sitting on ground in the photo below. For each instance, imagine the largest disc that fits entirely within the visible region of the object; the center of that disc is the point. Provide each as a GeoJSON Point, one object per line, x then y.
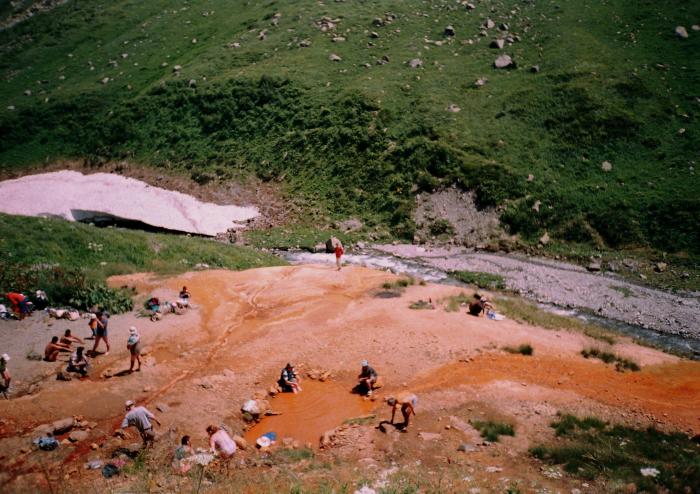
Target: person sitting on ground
{"type": "Point", "coordinates": [480, 306]}
{"type": "Point", "coordinates": [140, 418]}
{"type": "Point", "coordinates": [20, 304]}
{"type": "Point", "coordinates": [78, 362]}
{"type": "Point", "coordinates": [69, 339]}
{"type": "Point", "coordinates": [53, 349]}
{"type": "Point", "coordinates": [406, 402]}
{"type": "Point", "coordinates": [134, 346]}
{"type": "Point", "coordinates": [368, 377]}
{"type": "Point", "coordinates": [182, 453]}
{"type": "Point", "coordinates": [289, 381]}
{"type": "Point", "coordinates": [42, 300]}
{"type": "Point", "coordinates": [4, 374]}
{"type": "Point", "coordinates": [185, 296]}
{"type": "Point", "coordinates": [101, 332]}
{"type": "Point", "coordinates": [220, 442]}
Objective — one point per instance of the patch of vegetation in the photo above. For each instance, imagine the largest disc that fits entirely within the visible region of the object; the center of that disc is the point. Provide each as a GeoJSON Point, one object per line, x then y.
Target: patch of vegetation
{"type": "Point", "coordinates": [527, 312]}
{"type": "Point", "coordinates": [621, 364]}
{"type": "Point", "coordinates": [398, 284]}
{"type": "Point", "coordinates": [455, 302]}
{"type": "Point", "coordinates": [524, 349]}
{"type": "Point", "coordinates": [352, 143]}
{"type": "Point", "coordinates": [487, 281]}
{"type": "Point", "coordinates": [441, 227]}
{"type": "Point", "coordinates": [367, 419]}
{"type": "Point", "coordinates": [625, 291]}
{"type": "Point", "coordinates": [421, 305]}
{"type": "Point", "coordinates": [70, 261]}
{"type": "Point", "coordinates": [291, 455]}
{"type": "Point", "coordinates": [594, 448]}
{"type": "Point", "coordinates": [491, 431]}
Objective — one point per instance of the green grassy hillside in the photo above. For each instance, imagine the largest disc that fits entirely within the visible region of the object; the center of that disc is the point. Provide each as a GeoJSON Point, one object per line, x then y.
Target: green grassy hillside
{"type": "Point", "coordinates": [357, 137]}
{"type": "Point", "coordinates": [70, 261]}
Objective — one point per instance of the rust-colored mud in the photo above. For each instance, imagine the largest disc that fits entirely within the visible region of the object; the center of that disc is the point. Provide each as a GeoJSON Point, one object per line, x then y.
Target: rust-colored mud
{"type": "Point", "coordinates": [669, 392]}
{"type": "Point", "coordinates": [307, 415]}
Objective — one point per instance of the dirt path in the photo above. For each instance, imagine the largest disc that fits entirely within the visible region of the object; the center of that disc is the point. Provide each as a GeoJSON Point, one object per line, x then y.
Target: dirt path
{"type": "Point", "coordinates": [246, 325]}
{"type": "Point", "coordinates": [567, 285]}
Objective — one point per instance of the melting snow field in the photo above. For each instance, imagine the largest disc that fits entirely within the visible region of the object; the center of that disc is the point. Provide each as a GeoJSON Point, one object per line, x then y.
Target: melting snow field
{"type": "Point", "coordinates": [74, 196]}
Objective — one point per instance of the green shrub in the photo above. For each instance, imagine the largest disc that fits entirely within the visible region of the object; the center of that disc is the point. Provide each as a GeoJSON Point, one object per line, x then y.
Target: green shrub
{"type": "Point", "coordinates": [491, 431]}
{"type": "Point", "coordinates": [621, 364]}
{"type": "Point", "coordinates": [486, 281]}
{"type": "Point", "coordinates": [115, 301]}
{"type": "Point", "coordinates": [525, 349]}
{"type": "Point", "coordinates": [593, 448]}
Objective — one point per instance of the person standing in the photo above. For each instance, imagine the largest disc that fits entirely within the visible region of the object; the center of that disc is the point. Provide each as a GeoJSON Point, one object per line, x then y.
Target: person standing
{"type": "Point", "coordinates": [140, 418]}
{"type": "Point", "coordinates": [134, 346]}
{"type": "Point", "coordinates": [339, 251]}
{"type": "Point", "coordinates": [101, 331]}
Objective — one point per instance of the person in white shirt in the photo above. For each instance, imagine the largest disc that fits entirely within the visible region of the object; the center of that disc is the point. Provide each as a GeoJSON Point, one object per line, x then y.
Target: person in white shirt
{"type": "Point", "coordinates": [220, 442]}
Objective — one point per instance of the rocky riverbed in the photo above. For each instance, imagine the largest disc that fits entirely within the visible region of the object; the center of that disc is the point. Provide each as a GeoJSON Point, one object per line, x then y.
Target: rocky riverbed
{"type": "Point", "coordinates": [568, 285]}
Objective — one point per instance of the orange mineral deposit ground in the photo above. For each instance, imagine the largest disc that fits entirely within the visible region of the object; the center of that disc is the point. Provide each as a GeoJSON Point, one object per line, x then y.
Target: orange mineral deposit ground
{"type": "Point", "coordinates": [243, 327]}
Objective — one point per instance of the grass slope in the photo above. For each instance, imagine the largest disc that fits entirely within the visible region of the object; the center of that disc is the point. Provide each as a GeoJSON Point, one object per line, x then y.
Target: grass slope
{"type": "Point", "coordinates": [615, 85]}
{"type": "Point", "coordinates": [103, 252]}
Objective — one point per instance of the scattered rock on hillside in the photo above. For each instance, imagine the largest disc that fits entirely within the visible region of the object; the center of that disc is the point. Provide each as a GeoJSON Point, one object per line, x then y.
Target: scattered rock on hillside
{"type": "Point", "coordinates": [415, 63]}
{"type": "Point", "coordinates": [192, 83]}
{"type": "Point", "coordinates": [530, 177]}
{"type": "Point", "coordinates": [497, 43]}
{"type": "Point", "coordinates": [77, 436]}
{"type": "Point", "coordinates": [326, 24]}
{"type": "Point", "coordinates": [470, 6]}
{"type": "Point", "coordinates": [453, 108]}
{"type": "Point", "coordinates": [466, 448]}
{"type": "Point", "coordinates": [104, 80]}
{"type": "Point", "coordinates": [681, 32]}
{"type": "Point", "coordinates": [695, 27]}
{"type": "Point", "coordinates": [374, 35]}
{"type": "Point", "coordinates": [62, 426]}
{"type": "Point", "coordinates": [481, 82]}
{"type": "Point", "coordinates": [338, 39]}
{"type": "Point", "coordinates": [504, 62]}
{"type": "Point", "coordinates": [606, 166]}
{"type": "Point", "coordinates": [383, 61]}
{"type": "Point", "coordinates": [536, 206]}
{"type": "Point", "coordinates": [304, 43]}
{"type": "Point", "coordinates": [449, 31]}
{"type": "Point", "coordinates": [350, 225]}
{"type": "Point", "coordinates": [593, 266]}
{"type": "Point", "coordinates": [535, 69]}
{"type": "Point", "coordinates": [544, 239]}
{"type": "Point", "coordinates": [660, 267]}
{"type": "Point", "coordinates": [489, 24]}
{"type": "Point", "coordinates": [177, 68]}
{"type": "Point", "coordinates": [262, 35]}
{"type": "Point", "coordinates": [429, 436]}
{"type": "Point", "coordinates": [334, 58]}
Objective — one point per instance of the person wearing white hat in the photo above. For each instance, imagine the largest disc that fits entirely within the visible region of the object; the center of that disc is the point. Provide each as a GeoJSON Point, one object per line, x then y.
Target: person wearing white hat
{"type": "Point", "coordinates": [5, 374]}
{"type": "Point", "coordinates": [368, 377]}
{"type": "Point", "coordinates": [140, 418]}
{"type": "Point", "coordinates": [134, 346]}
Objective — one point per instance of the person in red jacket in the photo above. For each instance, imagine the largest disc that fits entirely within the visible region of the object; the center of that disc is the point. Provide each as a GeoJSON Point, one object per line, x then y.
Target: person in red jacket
{"type": "Point", "coordinates": [338, 254]}
{"type": "Point", "coordinates": [19, 304]}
